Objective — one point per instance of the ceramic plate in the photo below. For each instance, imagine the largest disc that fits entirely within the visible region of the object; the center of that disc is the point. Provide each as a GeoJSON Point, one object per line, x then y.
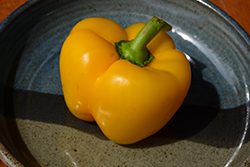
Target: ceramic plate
{"type": "Point", "coordinates": [211, 128]}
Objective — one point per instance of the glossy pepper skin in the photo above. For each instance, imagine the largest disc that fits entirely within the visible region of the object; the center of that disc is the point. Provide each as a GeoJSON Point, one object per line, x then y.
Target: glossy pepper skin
{"type": "Point", "coordinates": [128, 102]}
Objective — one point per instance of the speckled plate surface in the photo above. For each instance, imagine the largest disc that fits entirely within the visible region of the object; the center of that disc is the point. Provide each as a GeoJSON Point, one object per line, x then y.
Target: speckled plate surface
{"type": "Point", "coordinates": [210, 129]}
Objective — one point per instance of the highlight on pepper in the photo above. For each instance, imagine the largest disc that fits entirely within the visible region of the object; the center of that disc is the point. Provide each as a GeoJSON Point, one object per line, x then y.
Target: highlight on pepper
{"type": "Point", "coordinates": [130, 81]}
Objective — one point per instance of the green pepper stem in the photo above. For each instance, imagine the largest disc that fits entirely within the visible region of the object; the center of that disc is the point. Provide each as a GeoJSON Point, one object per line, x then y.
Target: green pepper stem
{"type": "Point", "coordinates": [135, 50]}
{"type": "Point", "coordinates": [147, 33]}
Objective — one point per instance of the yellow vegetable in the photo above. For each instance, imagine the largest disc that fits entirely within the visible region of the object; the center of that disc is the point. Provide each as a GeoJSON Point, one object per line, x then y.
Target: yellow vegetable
{"type": "Point", "coordinates": [133, 94]}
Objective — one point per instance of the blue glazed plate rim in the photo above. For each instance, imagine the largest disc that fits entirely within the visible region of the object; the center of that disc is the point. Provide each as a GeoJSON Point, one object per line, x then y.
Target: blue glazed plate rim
{"type": "Point", "coordinates": [227, 18]}
{"type": "Point", "coordinates": [206, 3]}
{"type": "Point", "coordinates": [15, 13]}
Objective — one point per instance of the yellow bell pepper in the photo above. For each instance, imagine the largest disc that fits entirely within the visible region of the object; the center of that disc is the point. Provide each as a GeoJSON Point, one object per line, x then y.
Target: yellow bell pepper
{"type": "Point", "coordinates": [130, 81]}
